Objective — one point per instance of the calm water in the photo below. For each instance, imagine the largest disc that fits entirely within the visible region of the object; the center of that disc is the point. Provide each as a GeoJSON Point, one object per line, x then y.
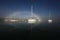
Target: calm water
{"type": "Point", "coordinates": [23, 31]}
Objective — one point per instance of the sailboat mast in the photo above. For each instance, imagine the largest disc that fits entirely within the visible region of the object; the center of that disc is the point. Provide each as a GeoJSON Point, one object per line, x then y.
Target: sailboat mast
{"type": "Point", "coordinates": [31, 10]}
{"type": "Point", "coordinates": [49, 15]}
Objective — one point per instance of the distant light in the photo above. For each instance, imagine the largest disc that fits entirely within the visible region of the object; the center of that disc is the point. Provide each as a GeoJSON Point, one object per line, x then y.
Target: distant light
{"type": "Point", "coordinates": [12, 20]}
{"type": "Point", "coordinates": [50, 21]}
{"type": "Point", "coordinates": [32, 20]}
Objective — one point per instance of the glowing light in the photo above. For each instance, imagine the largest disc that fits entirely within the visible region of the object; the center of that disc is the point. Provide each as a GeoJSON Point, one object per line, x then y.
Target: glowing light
{"type": "Point", "coordinates": [31, 20]}
{"type": "Point", "coordinates": [12, 20]}
{"type": "Point", "coordinates": [19, 17]}
{"type": "Point", "coordinates": [50, 21]}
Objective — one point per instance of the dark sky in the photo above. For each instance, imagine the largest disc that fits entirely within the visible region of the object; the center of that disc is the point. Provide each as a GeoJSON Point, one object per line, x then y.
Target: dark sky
{"type": "Point", "coordinates": [40, 7]}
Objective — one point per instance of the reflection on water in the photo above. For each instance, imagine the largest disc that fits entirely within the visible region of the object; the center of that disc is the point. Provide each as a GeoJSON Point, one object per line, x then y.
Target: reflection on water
{"type": "Point", "coordinates": [28, 26]}
{"type": "Point", "coordinates": [24, 30]}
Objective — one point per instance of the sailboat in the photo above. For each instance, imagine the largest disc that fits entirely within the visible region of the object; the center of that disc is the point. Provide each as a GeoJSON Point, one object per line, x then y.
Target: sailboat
{"type": "Point", "coordinates": [50, 18]}
{"type": "Point", "coordinates": [31, 19]}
